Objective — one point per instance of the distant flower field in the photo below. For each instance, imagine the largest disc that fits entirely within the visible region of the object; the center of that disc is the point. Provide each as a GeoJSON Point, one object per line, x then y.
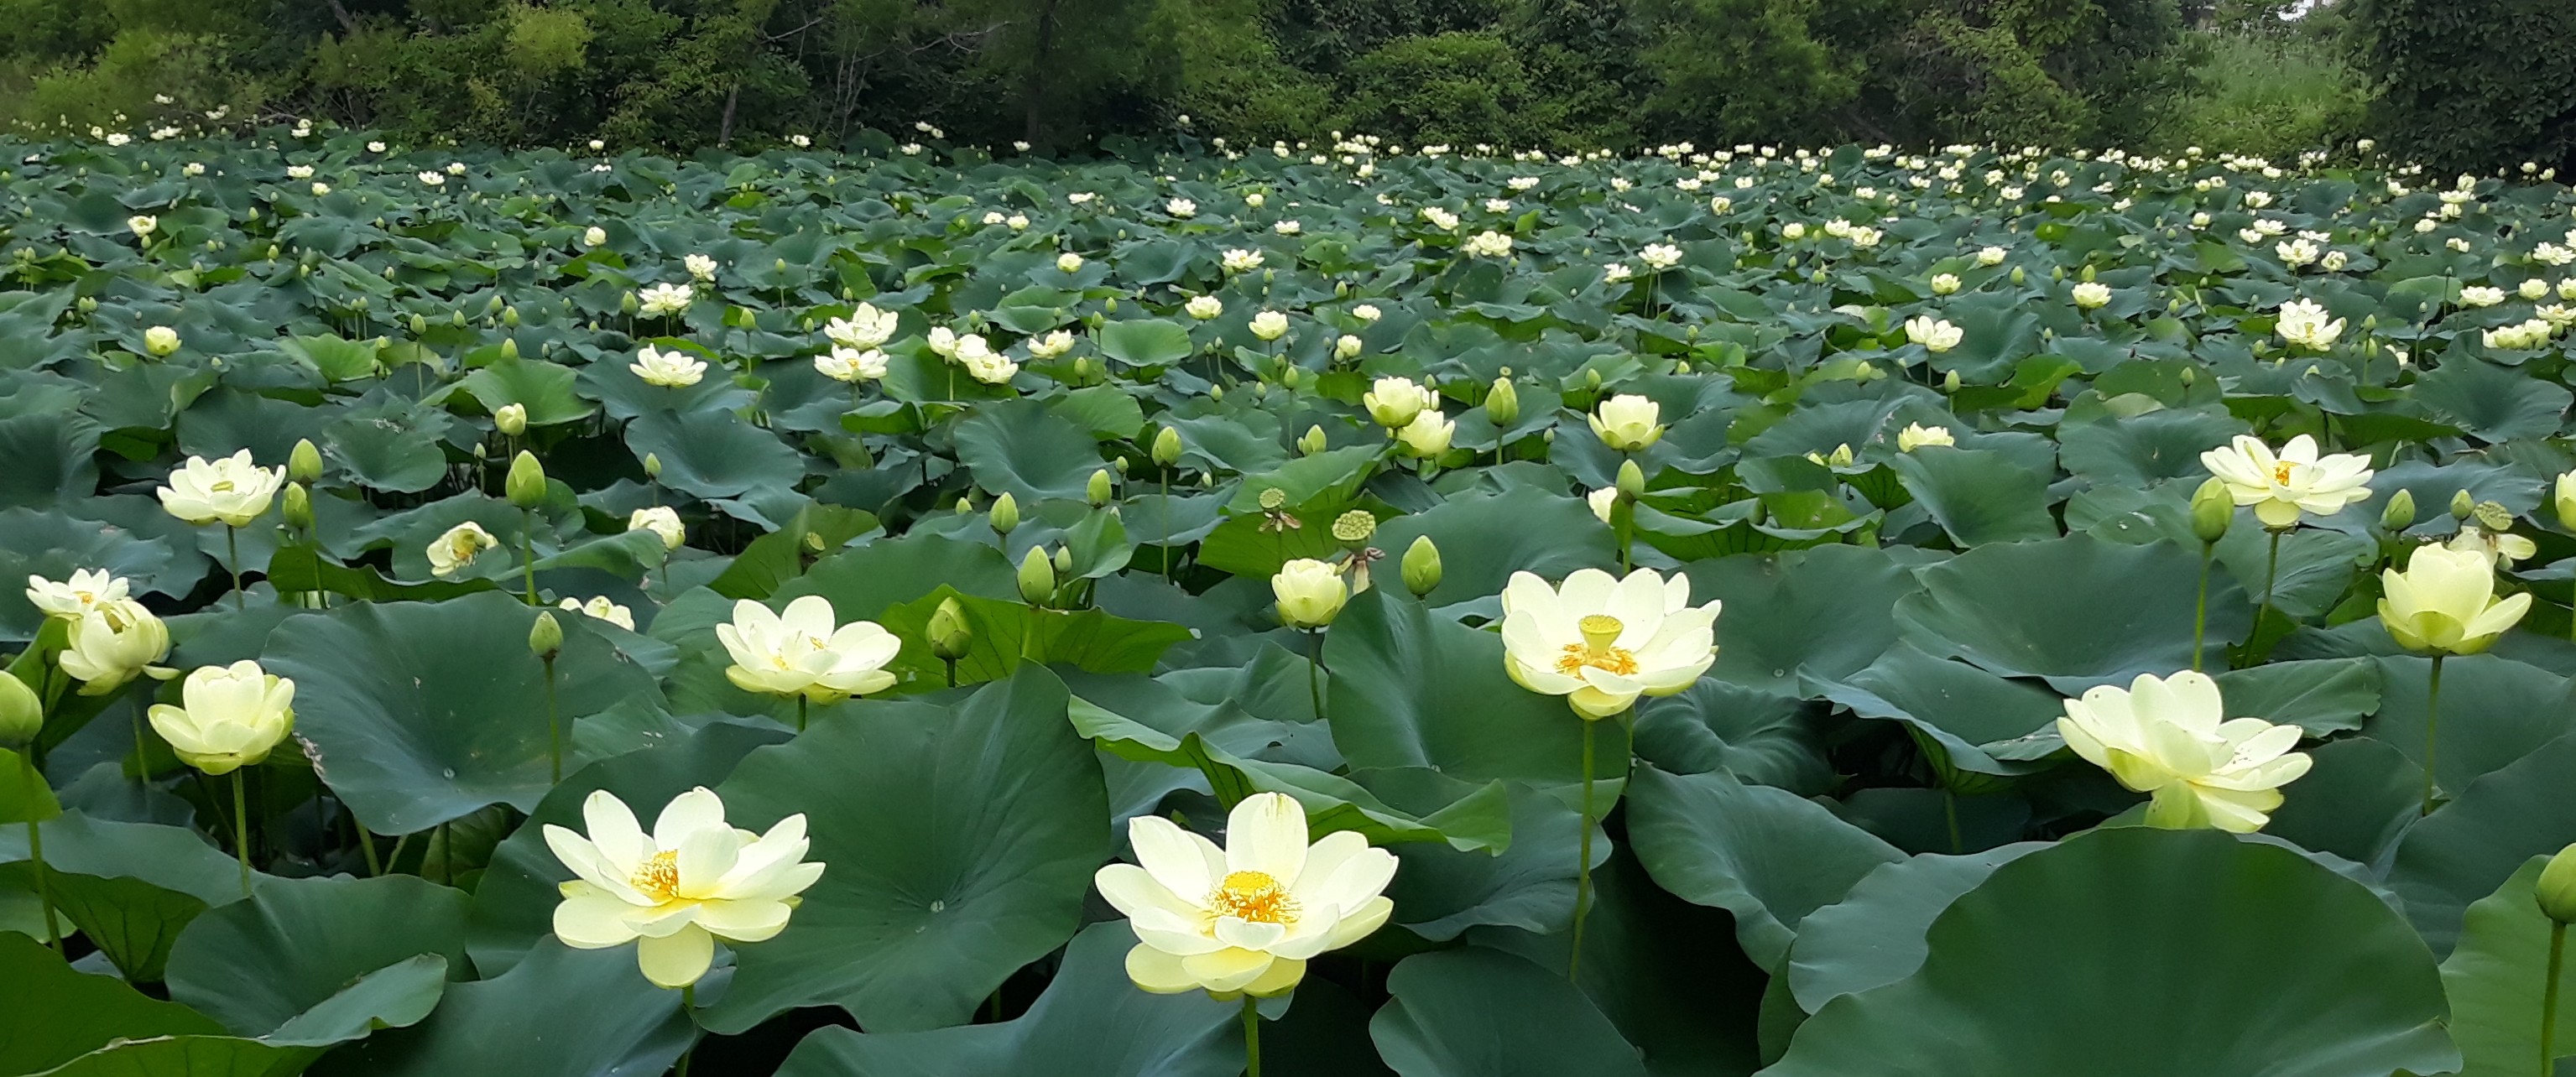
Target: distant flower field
{"type": "Point", "coordinates": [1334, 610]}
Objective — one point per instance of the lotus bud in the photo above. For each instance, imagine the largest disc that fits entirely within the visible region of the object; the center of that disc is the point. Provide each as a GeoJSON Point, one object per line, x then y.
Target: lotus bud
{"type": "Point", "coordinates": [2018, 276]}
{"type": "Point", "coordinates": [1632, 479]}
{"type": "Point", "coordinates": [526, 485]}
{"type": "Point", "coordinates": [1950, 381]}
{"type": "Point", "coordinates": [948, 634]}
{"type": "Point", "coordinates": [509, 347]}
{"type": "Point", "coordinates": [1502, 402]}
{"type": "Point", "coordinates": [1005, 516]}
{"type": "Point", "coordinates": [1592, 378]}
{"type": "Point", "coordinates": [304, 464]}
{"type": "Point", "coordinates": [1097, 490]}
{"type": "Point", "coordinates": [1352, 529]}
{"type": "Point", "coordinates": [629, 306]}
{"type": "Point", "coordinates": [1037, 577]}
{"type": "Point", "coordinates": [419, 324]}
{"type": "Point", "coordinates": [510, 317]}
{"type": "Point", "coordinates": [22, 715]}
{"type": "Point", "coordinates": [545, 638]}
{"type": "Point", "coordinates": [1312, 441]}
{"type": "Point", "coordinates": [2555, 890]}
{"type": "Point", "coordinates": [491, 304]}
{"type": "Point", "coordinates": [1064, 560]}
{"type": "Point", "coordinates": [1421, 567]}
{"type": "Point", "coordinates": [511, 419]}
{"type": "Point", "coordinates": [1290, 375]}
{"type": "Point", "coordinates": [652, 465]}
{"type": "Point", "coordinates": [2400, 513]}
{"type": "Point", "coordinates": [2462, 505]}
{"type": "Point", "coordinates": [2212, 510]}
{"type": "Point", "coordinates": [296, 507]}
{"type": "Point", "coordinates": [1167, 447]}
{"type": "Point", "coordinates": [965, 505]}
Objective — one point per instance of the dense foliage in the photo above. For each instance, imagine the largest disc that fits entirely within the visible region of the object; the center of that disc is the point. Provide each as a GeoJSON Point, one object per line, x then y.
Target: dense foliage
{"type": "Point", "coordinates": [1075, 440]}
{"type": "Point", "coordinates": [2475, 84]}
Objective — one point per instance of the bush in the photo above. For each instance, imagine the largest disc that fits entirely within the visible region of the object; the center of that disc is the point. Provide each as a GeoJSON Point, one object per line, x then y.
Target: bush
{"type": "Point", "coordinates": [2268, 97]}
{"type": "Point", "coordinates": [1457, 88]}
{"type": "Point", "coordinates": [2473, 84]}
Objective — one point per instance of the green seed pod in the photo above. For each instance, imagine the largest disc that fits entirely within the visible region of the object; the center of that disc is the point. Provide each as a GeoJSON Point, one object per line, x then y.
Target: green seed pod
{"type": "Point", "coordinates": [526, 485]}
{"type": "Point", "coordinates": [2555, 890]}
{"type": "Point", "coordinates": [304, 464]}
{"type": "Point", "coordinates": [1352, 529]}
{"type": "Point", "coordinates": [948, 633]}
{"type": "Point", "coordinates": [1037, 577]}
{"type": "Point", "coordinates": [1421, 566]}
{"type": "Point", "coordinates": [22, 715]}
{"type": "Point", "coordinates": [1005, 516]}
{"type": "Point", "coordinates": [545, 638]}
{"type": "Point", "coordinates": [2400, 513]}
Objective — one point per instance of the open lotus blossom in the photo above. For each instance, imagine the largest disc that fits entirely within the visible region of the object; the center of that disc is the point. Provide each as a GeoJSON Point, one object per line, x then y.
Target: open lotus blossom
{"type": "Point", "coordinates": [2445, 601]}
{"type": "Point", "coordinates": [457, 548]}
{"type": "Point", "coordinates": [982, 363]}
{"type": "Point", "coordinates": [1427, 435]}
{"type": "Point", "coordinates": [1603, 501]}
{"type": "Point", "coordinates": [112, 644]}
{"type": "Point", "coordinates": [1935, 335]}
{"type": "Point", "coordinates": [675, 891]}
{"type": "Point", "coordinates": [848, 364]}
{"type": "Point", "coordinates": [1393, 402]}
{"type": "Point", "coordinates": [600, 608]}
{"type": "Point", "coordinates": [87, 591]}
{"type": "Point", "coordinates": [1660, 256]}
{"type": "Point", "coordinates": [232, 491]}
{"type": "Point", "coordinates": [229, 717]}
{"type": "Point", "coordinates": [803, 653]}
{"type": "Point", "coordinates": [1917, 435]}
{"type": "Point", "coordinates": [2170, 738]}
{"type": "Point", "coordinates": [2503, 546]}
{"type": "Point", "coordinates": [2303, 322]}
{"type": "Point", "coordinates": [665, 299]}
{"type": "Point", "coordinates": [2092, 294]}
{"type": "Point", "coordinates": [1628, 422]}
{"type": "Point", "coordinates": [2282, 486]}
{"type": "Point", "coordinates": [1309, 592]}
{"type": "Point", "coordinates": [700, 267]}
{"type": "Point", "coordinates": [1246, 918]}
{"type": "Point", "coordinates": [1601, 641]}
{"type": "Point", "coordinates": [865, 328]}
{"type": "Point", "coordinates": [673, 369]}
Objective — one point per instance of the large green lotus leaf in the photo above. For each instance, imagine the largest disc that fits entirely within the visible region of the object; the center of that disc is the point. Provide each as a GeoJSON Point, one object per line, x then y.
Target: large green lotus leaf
{"type": "Point", "coordinates": [2495, 711]}
{"type": "Point", "coordinates": [712, 454]}
{"type": "Point", "coordinates": [52, 456]}
{"type": "Point", "coordinates": [2322, 696]}
{"type": "Point", "coordinates": [395, 996]}
{"type": "Point", "coordinates": [1484, 540]}
{"type": "Point", "coordinates": [1022, 449]}
{"type": "Point", "coordinates": [419, 713]}
{"type": "Point", "coordinates": [53, 545]}
{"type": "Point", "coordinates": [2316, 565]}
{"type": "Point", "coordinates": [559, 1013]}
{"type": "Point", "coordinates": [385, 451]}
{"type": "Point", "coordinates": [2517, 489]}
{"type": "Point", "coordinates": [1411, 688]}
{"type": "Point", "coordinates": [780, 556]}
{"type": "Point", "coordinates": [131, 888]}
{"type": "Point", "coordinates": [2493, 402]}
{"type": "Point", "coordinates": [255, 965]}
{"type": "Point", "coordinates": [1007, 635]}
{"type": "Point", "coordinates": [1090, 1022]}
{"type": "Point", "coordinates": [1767, 855]}
{"type": "Point", "coordinates": [864, 580]}
{"type": "Point", "coordinates": [1440, 891]}
{"type": "Point", "coordinates": [1818, 613]}
{"type": "Point", "coordinates": [2496, 979]}
{"type": "Point", "coordinates": [1145, 342]}
{"type": "Point", "coordinates": [2075, 611]}
{"type": "Point", "coordinates": [545, 389]}
{"type": "Point", "coordinates": [1874, 935]}
{"type": "Point", "coordinates": [1966, 719]}
{"type": "Point", "coordinates": [2355, 800]}
{"type": "Point", "coordinates": [514, 901]}
{"type": "Point", "coordinates": [1758, 736]}
{"type": "Point", "coordinates": [2472, 844]}
{"type": "Point", "coordinates": [1484, 1013]}
{"type": "Point", "coordinates": [2148, 952]}
{"type": "Point", "coordinates": [2140, 450]}
{"type": "Point", "coordinates": [1107, 411]}
{"type": "Point", "coordinates": [1977, 495]}
{"type": "Point", "coordinates": [57, 1014]}
{"type": "Point", "coordinates": [960, 840]}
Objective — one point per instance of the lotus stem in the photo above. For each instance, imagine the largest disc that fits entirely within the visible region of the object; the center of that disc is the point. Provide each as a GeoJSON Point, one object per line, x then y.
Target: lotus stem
{"type": "Point", "coordinates": [688, 1001]}
{"type": "Point", "coordinates": [36, 856]}
{"type": "Point", "coordinates": [2200, 611]}
{"type": "Point", "coordinates": [1164, 509]}
{"type": "Point", "coordinates": [2432, 729]}
{"type": "Point", "coordinates": [2271, 579]}
{"type": "Point", "coordinates": [528, 551]}
{"type": "Point", "coordinates": [802, 703]}
{"type": "Point", "coordinates": [241, 827]}
{"type": "Point", "coordinates": [1314, 678]}
{"type": "Point", "coordinates": [1950, 813]}
{"type": "Point", "coordinates": [2549, 997]}
{"type": "Point", "coordinates": [1251, 1038]}
{"type": "Point", "coordinates": [232, 560]}
{"type": "Point", "coordinates": [1583, 860]}
{"type": "Point", "coordinates": [554, 721]}
{"type": "Point", "coordinates": [367, 847]}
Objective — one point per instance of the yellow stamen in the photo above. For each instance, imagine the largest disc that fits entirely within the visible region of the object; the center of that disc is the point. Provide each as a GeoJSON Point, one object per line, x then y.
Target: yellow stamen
{"type": "Point", "coordinates": [1600, 631]}
{"type": "Point", "coordinates": [658, 877]}
{"type": "Point", "coordinates": [1253, 896]}
{"type": "Point", "coordinates": [2281, 472]}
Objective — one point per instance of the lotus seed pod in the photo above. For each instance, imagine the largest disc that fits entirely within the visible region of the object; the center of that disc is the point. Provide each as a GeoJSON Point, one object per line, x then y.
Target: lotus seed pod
{"type": "Point", "coordinates": [948, 633]}
{"type": "Point", "coordinates": [1037, 577]}
{"type": "Point", "coordinates": [526, 485]}
{"type": "Point", "coordinates": [22, 715]}
{"type": "Point", "coordinates": [1097, 490]}
{"type": "Point", "coordinates": [1274, 499]}
{"type": "Point", "coordinates": [1167, 447]}
{"type": "Point", "coordinates": [1005, 516]}
{"type": "Point", "coordinates": [2555, 890]}
{"type": "Point", "coordinates": [1352, 529]}
{"type": "Point", "coordinates": [304, 463]}
{"type": "Point", "coordinates": [2493, 516]}
{"type": "Point", "coordinates": [2212, 510]}
{"type": "Point", "coordinates": [2400, 513]}
{"type": "Point", "coordinates": [1421, 567]}
{"type": "Point", "coordinates": [545, 638]}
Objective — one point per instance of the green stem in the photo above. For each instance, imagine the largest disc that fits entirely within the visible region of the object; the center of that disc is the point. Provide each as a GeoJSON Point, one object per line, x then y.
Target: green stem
{"type": "Point", "coordinates": [2200, 612]}
{"type": "Point", "coordinates": [1583, 860]}
{"type": "Point", "coordinates": [2549, 998]}
{"type": "Point", "coordinates": [1165, 509]}
{"type": "Point", "coordinates": [446, 856]}
{"type": "Point", "coordinates": [2432, 729]}
{"type": "Point", "coordinates": [2271, 577]}
{"type": "Point", "coordinates": [36, 856]}
{"type": "Point", "coordinates": [1950, 815]}
{"type": "Point", "coordinates": [528, 550]}
{"type": "Point", "coordinates": [1251, 1038]}
{"type": "Point", "coordinates": [1314, 679]}
{"type": "Point", "coordinates": [367, 846]}
{"type": "Point", "coordinates": [241, 828]}
{"type": "Point", "coordinates": [554, 721]}
{"type": "Point", "coordinates": [688, 1001]}
{"type": "Point", "coordinates": [232, 559]}
{"type": "Point", "coordinates": [801, 704]}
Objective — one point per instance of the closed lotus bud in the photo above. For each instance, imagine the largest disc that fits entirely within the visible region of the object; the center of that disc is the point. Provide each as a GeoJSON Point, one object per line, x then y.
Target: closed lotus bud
{"type": "Point", "coordinates": [1097, 490]}
{"type": "Point", "coordinates": [1037, 577]}
{"type": "Point", "coordinates": [1167, 447]}
{"type": "Point", "coordinates": [510, 317]}
{"type": "Point", "coordinates": [2018, 276]}
{"type": "Point", "coordinates": [948, 633]}
{"type": "Point", "coordinates": [2212, 510]}
{"type": "Point", "coordinates": [1502, 402]}
{"type": "Point", "coordinates": [652, 465]}
{"type": "Point", "coordinates": [1950, 381]}
{"type": "Point", "coordinates": [511, 419]}
{"type": "Point", "coordinates": [491, 305]}
{"type": "Point", "coordinates": [1119, 465]}
{"type": "Point", "coordinates": [304, 464]}
{"type": "Point", "coordinates": [527, 483]}
{"type": "Point", "coordinates": [2462, 505]}
{"type": "Point", "coordinates": [1592, 378]}
{"type": "Point", "coordinates": [296, 506]}
{"type": "Point", "coordinates": [1632, 479]}
{"type": "Point", "coordinates": [22, 715]}
{"type": "Point", "coordinates": [419, 325]}
{"type": "Point", "coordinates": [1421, 567]}
{"type": "Point", "coordinates": [2555, 890]}
{"type": "Point", "coordinates": [509, 347]}
{"type": "Point", "coordinates": [628, 305]}
{"type": "Point", "coordinates": [1005, 516]}
{"type": "Point", "coordinates": [1064, 560]}
{"type": "Point", "coordinates": [2400, 513]}
{"type": "Point", "coordinates": [965, 505]}
{"type": "Point", "coordinates": [1312, 441]}
{"type": "Point", "coordinates": [545, 638]}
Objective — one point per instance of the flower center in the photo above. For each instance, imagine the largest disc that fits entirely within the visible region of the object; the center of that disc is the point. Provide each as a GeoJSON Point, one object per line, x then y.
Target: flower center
{"type": "Point", "coordinates": [1600, 631]}
{"type": "Point", "coordinates": [658, 877]}
{"type": "Point", "coordinates": [222, 486]}
{"type": "Point", "coordinates": [1253, 896]}
{"type": "Point", "coordinates": [2281, 472]}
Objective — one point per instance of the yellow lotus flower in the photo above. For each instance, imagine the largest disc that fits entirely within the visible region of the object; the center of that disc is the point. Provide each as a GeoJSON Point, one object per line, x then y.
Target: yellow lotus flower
{"type": "Point", "coordinates": [2445, 601]}
{"type": "Point", "coordinates": [673, 369]}
{"type": "Point", "coordinates": [1917, 435]}
{"type": "Point", "coordinates": [232, 491]}
{"type": "Point", "coordinates": [675, 891]}
{"type": "Point", "coordinates": [2565, 500]}
{"type": "Point", "coordinates": [1628, 422]}
{"type": "Point", "coordinates": [600, 608]}
{"type": "Point", "coordinates": [2169, 738]}
{"type": "Point", "coordinates": [109, 645]}
{"type": "Point", "coordinates": [1393, 402]}
{"type": "Point", "coordinates": [458, 547]}
{"type": "Point", "coordinates": [2504, 547]}
{"type": "Point", "coordinates": [802, 653]}
{"type": "Point", "coordinates": [1246, 918]}
{"type": "Point", "coordinates": [1601, 642]}
{"type": "Point", "coordinates": [87, 591]}
{"type": "Point", "coordinates": [1427, 435]}
{"type": "Point", "coordinates": [230, 717]}
{"type": "Point", "coordinates": [2281, 487]}
{"type": "Point", "coordinates": [866, 329]}
{"type": "Point", "coordinates": [662, 521]}
{"type": "Point", "coordinates": [1310, 593]}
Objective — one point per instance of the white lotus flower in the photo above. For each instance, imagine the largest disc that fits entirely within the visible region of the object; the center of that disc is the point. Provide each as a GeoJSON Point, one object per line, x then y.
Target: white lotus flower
{"type": "Point", "coordinates": [661, 520]}
{"type": "Point", "coordinates": [1917, 435]}
{"type": "Point", "coordinates": [2445, 601]}
{"type": "Point", "coordinates": [87, 591]}
{"type": "Point", "coordinates": [1601, 642]}
{"type": "Point", "coordinates": [1934, 334]}
{"type": "Point", "coordinates": [673, 369]}
{"type": "Point", "coordinates": [1393, 402]}
{"type": "Point", "coordinates": [2170, 738]}
{"type": "Point", "coordinates": [110, 645]}
{"type": "Point", "coordinates": [1628, 422]}
{"type": "Point", "coordinates": [1246, 918]}
{"type": "Point", "coordinates": [1204, 307]}
{"type": "Point", "coordinates": [983, 363]}
{"type": "Point", "coordinates": [1427, 435]}
{"type": "Point", "coordinates": [1269, 325]}
{"type": "Point", "coordinates": [600, 608]}
{"type": "Point", "coordinates": [848, 364]}
{"type": "Point", "coordinates": [2281, 487]}
{"type": "Point", "coordinates": [230, 717]}
{"type": "Point", "coordinates": [700, 267]}
{"type": "Point", "coordinates": [673, 892]}
{"type": "Point", "coordinates": [233, 491]}
{"type": "Point", "coordinates": [2091, 294]}
{"type": "Point", "coordinates": [2304, 322]}
{"type": "Point", "coordinates": [1239, 260]}
{"type": "Point", "coordinates": [1660, 256]}
{"type": "Point", "coordinates": [1487, 244]}
{"type": "Point", "coordinates": [803, 653]}
{"type": "Point", "coordinates": [664, 299]}
{"type": "Point", "coordinates": [458, 547]}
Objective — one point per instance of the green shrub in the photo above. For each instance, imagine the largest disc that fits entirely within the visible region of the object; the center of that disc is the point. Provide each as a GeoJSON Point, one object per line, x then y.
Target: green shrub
{"type": "Point", "coordinates": [2269, 97]}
